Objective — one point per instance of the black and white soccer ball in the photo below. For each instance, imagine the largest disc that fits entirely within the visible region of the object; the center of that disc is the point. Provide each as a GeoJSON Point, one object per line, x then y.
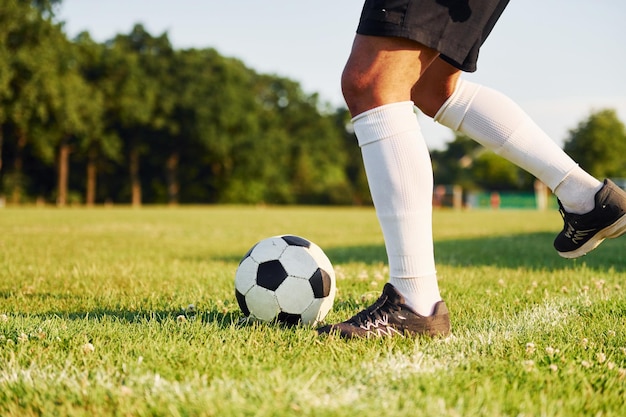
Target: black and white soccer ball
{"type": "Point", "coordinates": [285, 278]}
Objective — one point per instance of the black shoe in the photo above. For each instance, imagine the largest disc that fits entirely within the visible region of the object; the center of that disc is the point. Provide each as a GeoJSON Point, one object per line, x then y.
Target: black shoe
{"type": "Point", "coordinates": [390, 316]}
{"type": "Point", "coordinates": [582, 233]}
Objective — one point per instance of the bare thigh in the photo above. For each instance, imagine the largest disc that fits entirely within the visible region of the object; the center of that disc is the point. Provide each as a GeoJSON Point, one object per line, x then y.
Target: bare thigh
{"type": "Point", "coordinates": [383, 70]}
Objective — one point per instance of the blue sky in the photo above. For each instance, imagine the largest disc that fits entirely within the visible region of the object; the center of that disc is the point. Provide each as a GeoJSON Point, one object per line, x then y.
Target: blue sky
{"type": "Point", "coordinates": [558, 59]}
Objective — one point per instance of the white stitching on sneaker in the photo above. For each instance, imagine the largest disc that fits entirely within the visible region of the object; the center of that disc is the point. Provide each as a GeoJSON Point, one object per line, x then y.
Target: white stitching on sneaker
{"type": "Point", "coordinates": [380, 327]}
{"type": "Point", "coordinates": [576, 235]}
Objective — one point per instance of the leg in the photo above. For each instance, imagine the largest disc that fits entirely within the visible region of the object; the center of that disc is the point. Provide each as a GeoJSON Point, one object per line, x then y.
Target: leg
{"type": "Point", "coordinates": [499, 124]}
{"type": "Point", "coordinates": [377, 86]}
{"type": "Point", "coordinates": [395, 48]}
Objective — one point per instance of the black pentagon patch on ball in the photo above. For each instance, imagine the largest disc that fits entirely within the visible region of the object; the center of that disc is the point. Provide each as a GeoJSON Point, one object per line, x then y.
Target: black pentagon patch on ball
{"type": "Point", "coordinates": [321, 283]}
{"type": "Point", "coordinates": [289, 319]}
{"type": "Point", "coordinates": [270, 275]}
{"type": "Point", "coordinates": [241, 300]}
{"type": "Point", "coordinates": [296, 241]}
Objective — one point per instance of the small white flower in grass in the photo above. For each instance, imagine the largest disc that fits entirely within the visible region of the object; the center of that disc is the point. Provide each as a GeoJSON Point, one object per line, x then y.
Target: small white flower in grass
{"type": "Point", "coordinates": [4, 318]}
{"type": "Point", "coordinates": [585, 289]}
{"type": "Point", "coordinates": [611, 333]}
{"type": "Point", "coordinates": [530, 348]}
{"type": "Point", "coordinates": [584, 342]}
{"type": "Point", "coordinates": [88, 348]}
{"type": "Point", "coordinates": [564, 290]}
{"type": "Point", "coordinates": [621, 373]}
{"type": "Point", "coordinates": [139, 360]}
{"type": "Point", "coordinates": [586, 364]}
{"type": "Point", "coordinates": [600, 357]}
{"type": "Point", "coordinates": [610, 365]}
{"type": "Point", "coordinates": [124, 390]}
{"type": "Point", "coordinates": [22, 338]}
{"type": "Point", "coordinates": [623, 349]}
{"type": "Point", "coordinates": [501, 282]}
{"type": "Point", "coordinates": [181, 319]}
{"type": "Point", "coordinates": [550, 351]}
{"type": "Point", "coordinates": [191, 309]}
{"type": "Point", "coordinates": [553, 367]}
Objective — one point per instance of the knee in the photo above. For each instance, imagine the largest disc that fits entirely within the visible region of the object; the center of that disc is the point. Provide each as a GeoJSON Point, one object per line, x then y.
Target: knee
{"type": "Point", "coordinates": [358, 90]}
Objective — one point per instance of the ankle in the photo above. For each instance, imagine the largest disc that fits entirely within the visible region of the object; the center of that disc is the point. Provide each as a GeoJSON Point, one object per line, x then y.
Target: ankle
{"type": "Point", "coordinates": [421, 294]}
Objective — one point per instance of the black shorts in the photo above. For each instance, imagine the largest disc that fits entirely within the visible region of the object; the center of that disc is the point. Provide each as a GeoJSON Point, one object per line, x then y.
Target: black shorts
{"type": "Point", "coordinates": [455, 28]}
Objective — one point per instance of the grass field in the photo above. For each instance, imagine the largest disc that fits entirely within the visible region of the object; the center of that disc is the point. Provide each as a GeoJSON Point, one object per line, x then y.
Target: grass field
{"type": "Point", "coordinates": [95, 319]}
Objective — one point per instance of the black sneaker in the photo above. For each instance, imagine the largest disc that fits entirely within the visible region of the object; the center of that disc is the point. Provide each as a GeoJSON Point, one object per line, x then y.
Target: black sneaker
{"type": "Point", "coordinates": [390, 316]}
{"type": "Point", "coordinates": [582, 233]}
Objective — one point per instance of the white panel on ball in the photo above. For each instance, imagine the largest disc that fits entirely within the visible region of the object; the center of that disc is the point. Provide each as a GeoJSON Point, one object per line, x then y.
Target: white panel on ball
{"type": "Point", "coordinates": [298, 262]}
{"type": "Point", "coordinates": [320, 257]}
{"type": "Point", "coordinates": [318, 309]}
{"type": "Point", "coordinates": [268, 249]}
{"type": "Point", "coordinates": [262, 303]}
{"type": "Point", "coordinates": [246, 275]}
{"type": "Point", "coordinates": [294, 295]}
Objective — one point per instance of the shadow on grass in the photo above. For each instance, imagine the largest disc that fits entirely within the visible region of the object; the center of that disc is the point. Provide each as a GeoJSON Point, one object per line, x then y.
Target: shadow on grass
{"type": "Point", "coordinates": [220, 318]}
{"type": "Point", "coordinates": [531, 251]}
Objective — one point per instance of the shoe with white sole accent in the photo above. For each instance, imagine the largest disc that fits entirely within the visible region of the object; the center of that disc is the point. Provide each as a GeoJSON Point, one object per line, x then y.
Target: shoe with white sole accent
{"type": "Point", "coordinates": [390, 316]}
{"type": "Point", "coordinates": [582, 233]}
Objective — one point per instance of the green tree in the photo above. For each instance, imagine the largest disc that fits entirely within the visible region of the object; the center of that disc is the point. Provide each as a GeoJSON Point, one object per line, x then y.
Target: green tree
{"type": "Point", "coordinates": [354, 169]}
{"type": "Point", "coordinates": [30, 40]}
{"type": "Point", "coordinates": [598, 144]}
{"type": "Point", "coordinates": [8, 25]}
{"type": "Point", "coordinates": [130, 97]}
{"type": "Point", "coordinates": [97, 144]}
{"type": "Point", "coordinates": [73, 110]}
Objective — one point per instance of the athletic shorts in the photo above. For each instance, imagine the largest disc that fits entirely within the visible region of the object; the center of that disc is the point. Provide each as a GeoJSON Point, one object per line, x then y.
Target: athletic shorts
{"type": "Point", "coordinates": [455, 28]}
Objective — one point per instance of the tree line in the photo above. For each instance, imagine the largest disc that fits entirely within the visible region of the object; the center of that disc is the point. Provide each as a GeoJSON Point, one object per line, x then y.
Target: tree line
{"type": "Point", "coordinates": [135, 120]}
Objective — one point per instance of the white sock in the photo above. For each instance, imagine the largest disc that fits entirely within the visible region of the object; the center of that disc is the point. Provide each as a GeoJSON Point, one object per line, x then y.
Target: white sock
{"type": "Point", "coordinates": [577, 191]}
{"type": "Point", "coordinates": [499, 124]}
{"type": "Point", "coordinates": [399, 173]}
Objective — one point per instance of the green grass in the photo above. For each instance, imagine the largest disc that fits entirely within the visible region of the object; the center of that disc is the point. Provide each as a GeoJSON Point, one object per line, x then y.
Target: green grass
{"type": "Point", "coordinates": [94, 319]}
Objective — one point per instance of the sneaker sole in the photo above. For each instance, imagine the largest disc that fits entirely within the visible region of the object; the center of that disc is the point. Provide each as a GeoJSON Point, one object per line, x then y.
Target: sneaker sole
{"type": "Point", "coordinates": [617, 229]}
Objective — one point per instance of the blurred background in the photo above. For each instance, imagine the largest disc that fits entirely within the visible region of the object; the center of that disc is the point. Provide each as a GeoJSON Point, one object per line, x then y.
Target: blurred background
{"type": "Point", "coordinates": [136, 102]}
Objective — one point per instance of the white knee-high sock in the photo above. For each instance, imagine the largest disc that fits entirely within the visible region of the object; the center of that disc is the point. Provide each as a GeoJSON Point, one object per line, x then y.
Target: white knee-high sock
{"type": "Point", "coordinates": [399, 173]}
{"type": "Point", "coordinates": [499, 124]}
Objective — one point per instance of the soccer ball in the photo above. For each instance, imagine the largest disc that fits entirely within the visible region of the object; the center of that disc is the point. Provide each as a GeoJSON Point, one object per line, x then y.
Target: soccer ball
{"type": "Point", "coordinates": [285, 278]}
